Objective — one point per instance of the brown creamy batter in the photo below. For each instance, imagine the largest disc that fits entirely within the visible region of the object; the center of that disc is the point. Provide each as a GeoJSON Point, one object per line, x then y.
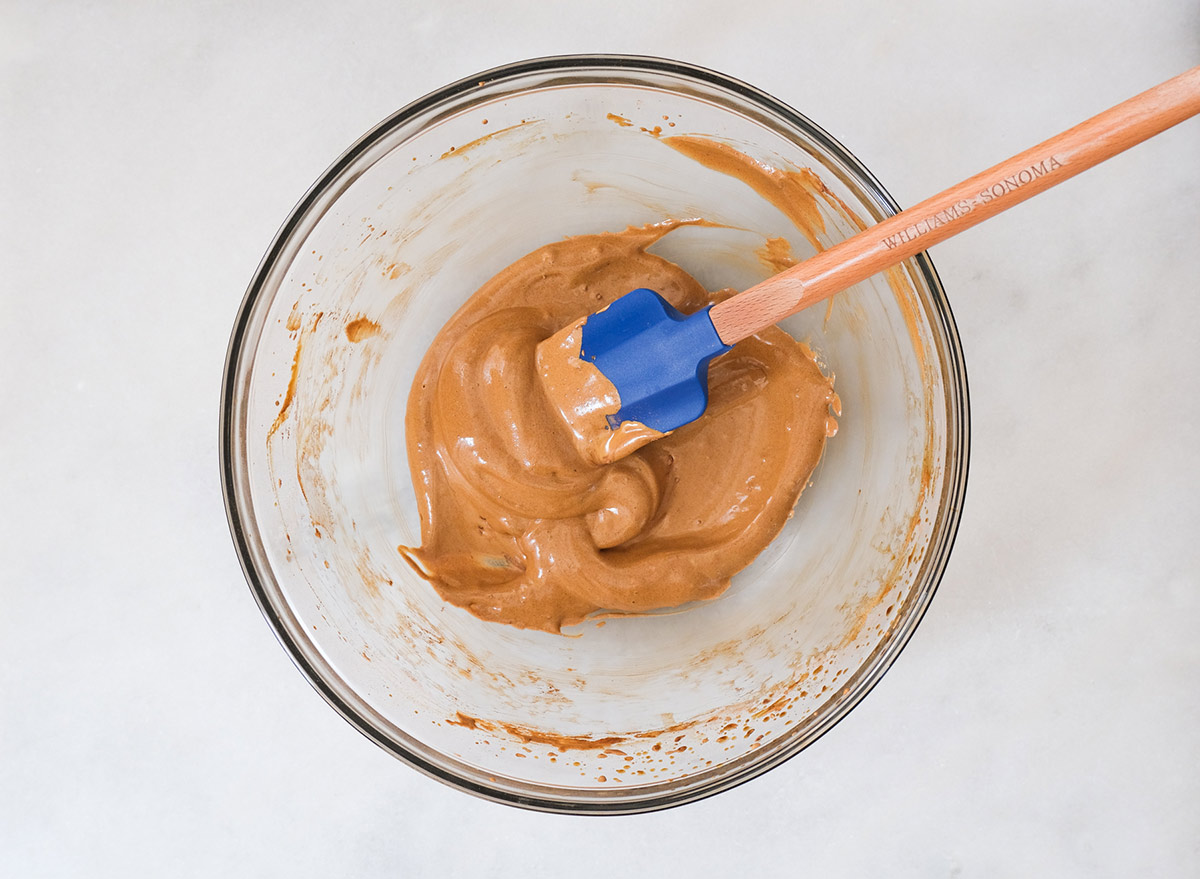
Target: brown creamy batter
{"type": "Point", "coordinates": [519, 527]}
{"type": "Point", "coordinates": [585, 398]}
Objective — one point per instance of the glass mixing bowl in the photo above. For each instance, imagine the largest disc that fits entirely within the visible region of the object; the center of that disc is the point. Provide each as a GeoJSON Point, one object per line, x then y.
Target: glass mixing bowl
{"type": "Point", "coordinates": [628, 714]}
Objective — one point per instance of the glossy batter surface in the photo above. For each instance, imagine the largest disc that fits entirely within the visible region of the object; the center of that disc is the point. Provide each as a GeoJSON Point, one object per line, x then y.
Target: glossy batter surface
{"type": "Point", "coordinates": [518, 527]}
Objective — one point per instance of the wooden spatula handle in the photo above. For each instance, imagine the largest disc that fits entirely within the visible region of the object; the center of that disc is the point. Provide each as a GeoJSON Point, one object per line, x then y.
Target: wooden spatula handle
{"type": "Point", "coordinates": [959, 207]}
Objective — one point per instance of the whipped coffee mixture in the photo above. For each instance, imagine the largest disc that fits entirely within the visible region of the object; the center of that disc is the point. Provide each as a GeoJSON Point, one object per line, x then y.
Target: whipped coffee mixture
{"type": "Point", "coordinates": [519, 527]}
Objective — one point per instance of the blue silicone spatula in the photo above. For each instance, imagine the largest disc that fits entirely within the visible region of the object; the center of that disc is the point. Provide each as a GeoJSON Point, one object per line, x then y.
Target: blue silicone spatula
{"type": "Point", "coordinates": [657, 358]}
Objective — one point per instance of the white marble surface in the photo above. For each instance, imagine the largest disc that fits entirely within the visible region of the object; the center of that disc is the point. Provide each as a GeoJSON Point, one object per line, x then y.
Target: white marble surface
{"type": "Point", "coordinates": [1045, 720]}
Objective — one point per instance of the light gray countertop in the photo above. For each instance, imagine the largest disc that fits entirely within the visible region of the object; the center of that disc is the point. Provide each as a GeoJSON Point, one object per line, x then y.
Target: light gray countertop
{"type": "Point", "coordinates": [1043, 720]}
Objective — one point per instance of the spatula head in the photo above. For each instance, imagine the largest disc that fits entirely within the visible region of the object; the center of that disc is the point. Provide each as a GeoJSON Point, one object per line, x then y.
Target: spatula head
{"type": "Point", "coordinates": [629, 374]}
{"type": "Point", "coordinates": [656, 357]}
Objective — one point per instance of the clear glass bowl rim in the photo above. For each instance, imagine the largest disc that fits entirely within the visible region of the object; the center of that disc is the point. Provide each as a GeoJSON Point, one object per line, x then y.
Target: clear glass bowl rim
{"type": "Point", "coordinates": [957, 445]}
